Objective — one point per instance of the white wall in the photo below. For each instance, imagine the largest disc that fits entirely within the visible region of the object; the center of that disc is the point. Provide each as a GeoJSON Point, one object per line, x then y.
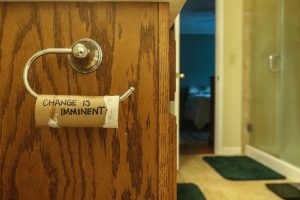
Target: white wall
{"type": "Point", "coordinates": [229, 71]}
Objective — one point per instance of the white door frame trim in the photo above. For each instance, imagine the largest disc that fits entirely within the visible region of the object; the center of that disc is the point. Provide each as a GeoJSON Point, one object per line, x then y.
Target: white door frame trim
{"type": "Point", "coordinates": [219, 76]}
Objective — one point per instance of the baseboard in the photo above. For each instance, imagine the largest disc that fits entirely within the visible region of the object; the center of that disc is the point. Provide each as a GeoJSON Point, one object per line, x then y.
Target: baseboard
{"type": "Point", "coordinates": [229, 151]}
{"type": "Point", "coordinates": [290, 171]}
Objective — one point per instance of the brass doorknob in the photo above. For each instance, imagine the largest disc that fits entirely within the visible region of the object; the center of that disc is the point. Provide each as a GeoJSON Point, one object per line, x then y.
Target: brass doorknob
{"type": "Point", "coordinates": [180, 75]}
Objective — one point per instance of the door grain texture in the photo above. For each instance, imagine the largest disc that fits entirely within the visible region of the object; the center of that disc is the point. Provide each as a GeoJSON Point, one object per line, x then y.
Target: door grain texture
{"type": "Point", "coordinates": [131, 162]}
{"type": "Point", "coordinates": [172, 63]}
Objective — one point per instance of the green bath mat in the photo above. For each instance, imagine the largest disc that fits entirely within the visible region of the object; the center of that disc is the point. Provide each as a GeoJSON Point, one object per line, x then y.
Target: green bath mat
{"type": "Point", "coordinates": [287, 191]}
{"type": "Point", "coordinates": [189, 191]}
{"type": "Point", "coordinates": [241, 168]}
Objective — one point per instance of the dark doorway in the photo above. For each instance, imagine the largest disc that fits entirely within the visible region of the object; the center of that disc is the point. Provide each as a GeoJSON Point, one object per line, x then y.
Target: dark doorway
{"type": "Point", "coordinates": [197, 63]}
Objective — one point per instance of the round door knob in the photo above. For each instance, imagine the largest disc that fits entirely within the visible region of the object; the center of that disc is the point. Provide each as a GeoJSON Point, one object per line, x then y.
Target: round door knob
{"type": "Point", "coordinates": [181, 75]}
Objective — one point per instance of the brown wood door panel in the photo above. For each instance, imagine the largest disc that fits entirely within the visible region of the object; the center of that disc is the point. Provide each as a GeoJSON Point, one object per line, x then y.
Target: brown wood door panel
{"type": "Point", "coordinates": [172, 63]}
{"type": "Point", "coordinates": [80, 163]}
{"type": "Point", "coordinates": [173, 158]}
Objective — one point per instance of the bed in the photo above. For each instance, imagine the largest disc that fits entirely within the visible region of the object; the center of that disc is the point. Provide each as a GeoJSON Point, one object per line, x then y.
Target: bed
{"type": "Point", "coordinates": [197, 106]}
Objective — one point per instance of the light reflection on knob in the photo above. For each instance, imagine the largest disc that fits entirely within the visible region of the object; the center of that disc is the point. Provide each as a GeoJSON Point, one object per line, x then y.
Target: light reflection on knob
{"type": "Point", "coordinates": [180, 75]}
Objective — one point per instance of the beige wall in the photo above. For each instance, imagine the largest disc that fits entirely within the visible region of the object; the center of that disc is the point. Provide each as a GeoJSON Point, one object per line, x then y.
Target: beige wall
{"type": "Point", "coordinates": [232, 104]}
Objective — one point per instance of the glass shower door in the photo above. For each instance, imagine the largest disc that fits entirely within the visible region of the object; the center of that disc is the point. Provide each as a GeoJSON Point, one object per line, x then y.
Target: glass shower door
{"type": "Point", "coordinates": [264, 75]}
{"type": "Point", "coordinates": [275, 78]}
{"type": "Point", "coordinates": [290, 82]}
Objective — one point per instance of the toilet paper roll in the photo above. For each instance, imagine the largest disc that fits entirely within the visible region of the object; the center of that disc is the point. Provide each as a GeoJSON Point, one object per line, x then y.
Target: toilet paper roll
{"type": "Point", "coordinates": [77, 111]}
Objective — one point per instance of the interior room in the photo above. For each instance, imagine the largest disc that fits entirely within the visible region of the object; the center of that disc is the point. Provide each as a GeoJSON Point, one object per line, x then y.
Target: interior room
{"type": "Point", "coordinates": [197, 70]}
{"type": "Point", "coordinates": [256, 45]}
{"type": "Point", "coordinates": [149, 100]}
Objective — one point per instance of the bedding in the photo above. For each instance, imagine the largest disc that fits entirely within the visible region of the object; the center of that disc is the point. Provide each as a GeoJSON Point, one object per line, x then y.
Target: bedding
{"type": "Point", "coordinates": [197, 107]}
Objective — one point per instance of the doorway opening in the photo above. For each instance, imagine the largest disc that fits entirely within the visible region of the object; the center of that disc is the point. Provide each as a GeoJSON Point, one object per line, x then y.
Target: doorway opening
{"type": "Point", "coordinates": [197, 68]}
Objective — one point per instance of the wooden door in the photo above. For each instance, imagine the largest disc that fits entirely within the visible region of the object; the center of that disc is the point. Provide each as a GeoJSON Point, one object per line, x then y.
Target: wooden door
{"type": "Point", "coordinates": [131, 162]}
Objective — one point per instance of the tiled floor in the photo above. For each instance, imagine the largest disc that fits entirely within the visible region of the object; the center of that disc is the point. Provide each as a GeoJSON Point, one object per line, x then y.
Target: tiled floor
{"type": "Point", "coordinates": [194, 170]}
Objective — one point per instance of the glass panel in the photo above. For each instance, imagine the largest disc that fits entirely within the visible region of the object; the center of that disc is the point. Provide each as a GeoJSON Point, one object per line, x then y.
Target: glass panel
{"type": "Point", "coordinates": [263, 82]}
{"type": "Point", "coordinates": [290, 79]}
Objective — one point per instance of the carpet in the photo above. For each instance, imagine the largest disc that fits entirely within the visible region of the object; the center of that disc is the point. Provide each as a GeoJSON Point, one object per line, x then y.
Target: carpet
{"type": "Point", "coordinates": [189, 191]}
{"type": "Point", "coordinates": [241, 168]}
{"type": "Point", "coordinates": [194, 137]}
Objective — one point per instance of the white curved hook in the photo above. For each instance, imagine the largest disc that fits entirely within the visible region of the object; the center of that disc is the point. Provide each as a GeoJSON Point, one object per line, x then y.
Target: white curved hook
{"type": "Point", "coordinates": [33, 58]}
{"type": "Point", "coordinates": [55, 51]}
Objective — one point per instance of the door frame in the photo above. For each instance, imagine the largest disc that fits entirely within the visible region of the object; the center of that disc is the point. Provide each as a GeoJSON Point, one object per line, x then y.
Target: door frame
{"type": "Point", "coordinates": [219, 77]}
{"type": "Point", "coordinates": [177, 93]}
